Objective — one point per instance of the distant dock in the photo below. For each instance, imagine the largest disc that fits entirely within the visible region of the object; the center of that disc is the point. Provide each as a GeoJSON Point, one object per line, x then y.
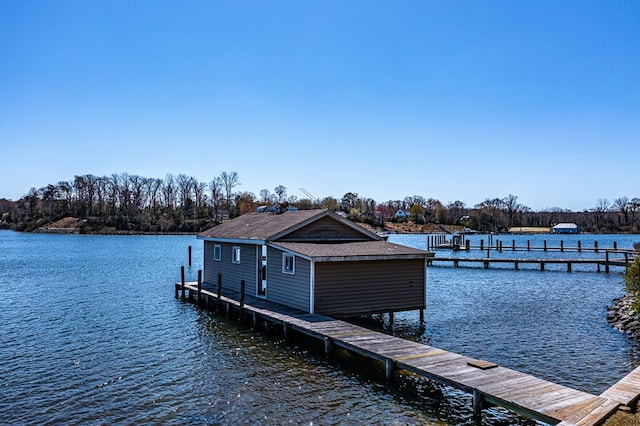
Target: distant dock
{"type": "Point", "coordinates": [600, 264]}
{"type": "Point", "coordinates": [459, 242]}
{"type": "Point", "coordinates": [488, 383]}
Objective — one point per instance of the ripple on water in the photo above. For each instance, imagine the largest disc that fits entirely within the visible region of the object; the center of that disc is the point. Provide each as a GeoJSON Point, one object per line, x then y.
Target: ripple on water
{"type": "Point", "coordinates": [92, 334]}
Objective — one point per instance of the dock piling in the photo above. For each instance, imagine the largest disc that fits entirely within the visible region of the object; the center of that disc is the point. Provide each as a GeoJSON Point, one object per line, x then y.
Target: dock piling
{"type": "Point", "coordinates": [199, 285]}
{"type": "Point", "coordinates": [182, 280]}
{"type": "Point", "coordinates": [388, 369]}
{"type": "Point", "coordinates": [477, 404]}
{"type": "Point", "coordinates": [328, 345]}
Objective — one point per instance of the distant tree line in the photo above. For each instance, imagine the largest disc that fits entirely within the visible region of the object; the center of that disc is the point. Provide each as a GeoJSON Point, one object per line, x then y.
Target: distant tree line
{"type": "Point", "coordinates": [180, 203]}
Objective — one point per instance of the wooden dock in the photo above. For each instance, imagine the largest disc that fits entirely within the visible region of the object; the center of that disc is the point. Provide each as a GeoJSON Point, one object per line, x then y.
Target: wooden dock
{"type": "Point", "coordinates": [605, 263]}
{"type": "Point", "coordinates": [434, 243]}
{"type": "Point", "coordinates": [488, 383]}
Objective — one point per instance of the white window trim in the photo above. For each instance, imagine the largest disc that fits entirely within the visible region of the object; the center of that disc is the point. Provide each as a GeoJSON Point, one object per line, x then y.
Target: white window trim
{"type": "Point", "coordinates": [284, 263]}
{"type": "Point", "coordinates": [217, 252]}
{"type": "Point", "coordinates": [234, 258]}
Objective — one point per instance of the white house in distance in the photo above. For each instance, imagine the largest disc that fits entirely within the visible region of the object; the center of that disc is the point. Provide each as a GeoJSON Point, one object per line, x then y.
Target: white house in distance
{"type": "Point", "coordinates": [565, 228]}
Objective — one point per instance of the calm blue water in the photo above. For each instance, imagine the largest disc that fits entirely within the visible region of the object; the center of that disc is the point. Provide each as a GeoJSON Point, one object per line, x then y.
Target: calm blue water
{"type": "Point", "coordinates": [91, 334]}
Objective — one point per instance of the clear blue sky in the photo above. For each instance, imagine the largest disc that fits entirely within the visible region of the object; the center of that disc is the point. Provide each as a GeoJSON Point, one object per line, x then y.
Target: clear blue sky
{"type": "Point", "coordinates": [452, 100]}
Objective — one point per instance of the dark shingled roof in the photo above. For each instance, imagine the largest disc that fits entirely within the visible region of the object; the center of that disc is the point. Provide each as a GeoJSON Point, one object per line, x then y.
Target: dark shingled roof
{"type": "Point", "coordinates": [368, 250]}
{"type": "Point", "coordinates": [265, 226]}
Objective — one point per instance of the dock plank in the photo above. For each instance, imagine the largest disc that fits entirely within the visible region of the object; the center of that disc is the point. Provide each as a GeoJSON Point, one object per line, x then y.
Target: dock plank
{"type": "Point", "coordinates": [627, 390]}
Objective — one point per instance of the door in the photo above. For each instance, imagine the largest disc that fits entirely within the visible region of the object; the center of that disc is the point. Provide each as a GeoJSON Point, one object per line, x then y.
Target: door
{"type": "Point", "coordinates": [262, 273]}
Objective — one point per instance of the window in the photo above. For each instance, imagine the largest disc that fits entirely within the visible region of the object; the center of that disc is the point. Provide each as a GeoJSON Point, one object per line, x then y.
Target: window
{"type": "Point", "coordinates": [217, 252]}
{"type": "Point", "coordinates": [235, 258]}
{"type": "Point", "coordinates": [288, 263]}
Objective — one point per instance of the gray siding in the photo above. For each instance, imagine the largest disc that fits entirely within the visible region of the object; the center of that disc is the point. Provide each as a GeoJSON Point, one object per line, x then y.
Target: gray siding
{"type": "Point", "coordinates": [287, 289]}
{"type": "Point", "coordinates": [351, 288]}
{"type": "Point", "coordinates": [232, 273]}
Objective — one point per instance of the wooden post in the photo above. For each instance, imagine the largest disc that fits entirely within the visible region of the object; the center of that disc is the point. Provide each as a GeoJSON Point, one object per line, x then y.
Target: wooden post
{"type": "Point", "coordinates": [542, 266]}
{"type": "Point", "coordinates": [486, 264]}
{"type": "Point", "coordinates": [545, 245]}
{"type": "Point", "coordinates": [579, 246]}
{"type": "Point", "coordinates": [242, 293]}
{"type": "Point", "coordinates": [199, 285]}
{"type": "Point", "coordinates": [177, 289]}
{"type": "Point", "coordinates": [568, 266]}
{"type": "Point", "coordinates": [477, 404]}
{"type": "Point", "coordinates": [328, 345]}
{"type": "Point", "coordinates": [285, 330]}
{"type": "Point", "coordinates": [615, 245]}
{"type": "Point", "coordinates": [561, 245]}
{"type": "Point", "coordinates": [513, 245]}
{"type": "Point", "coordinates": [467, 244]}
{"type": "Point", "coordinates": [422, 315]}
{"type": "Point", "coordinates": [481, 244]}
{"type": "Point", "coordinates": [219, 286]}
{"type": "Point", "coordinates": [182, 280]}
{"type": "Point", "coordinates": [606, 266]}
{"type": "Point", "coordinates": [455, 263]}
{"type": "Point", "coordinates": [515, 264]}
{"type": "Point", "coordinates": [189, 255]}
{"type": "Point", "coordinates": [388, 369]}
{"type": "Point", "coordinates": [595, 246]}
{"type": "Point", "coordinates": [528, 245]}
{"type": "Point", "coordinates": [390, 318]}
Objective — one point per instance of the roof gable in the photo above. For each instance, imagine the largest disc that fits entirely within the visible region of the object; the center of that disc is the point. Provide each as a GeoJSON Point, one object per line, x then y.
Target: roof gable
{"type": "Point", "coordinates": [307, 225]}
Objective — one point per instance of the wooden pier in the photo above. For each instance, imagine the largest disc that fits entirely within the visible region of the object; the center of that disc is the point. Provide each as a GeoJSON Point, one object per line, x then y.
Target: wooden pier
{"type": "Point", "coordinates": [488, 383]}
{"type": "Point", "coordinates": [605, 263]}
{"type": "Point", "coordinates": [435, 242]}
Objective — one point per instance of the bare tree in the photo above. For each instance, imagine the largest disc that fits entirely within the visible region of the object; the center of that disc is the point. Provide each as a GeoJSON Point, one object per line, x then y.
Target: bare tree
{"type": "Point", "coordinates": [265, 196]}
{"type": "Point", "coordinates": [216, 187]}
{"type": "Point", "coordinates": [230, 181]}
{"type": "Point", "coordinates": [623, 206]}
{"type": "Point", "coordinates": [281, 193]}
{"type": "Point", "coordinates": [169, 192]}
{"type": "Point", "coordinates": [200, 194]}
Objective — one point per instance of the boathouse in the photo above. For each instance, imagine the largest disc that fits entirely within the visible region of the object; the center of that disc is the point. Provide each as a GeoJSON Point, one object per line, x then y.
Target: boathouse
{"type": "Point", "coordinates": [565, 228]}
{"type": "Point", "coordinates": [315, 261]}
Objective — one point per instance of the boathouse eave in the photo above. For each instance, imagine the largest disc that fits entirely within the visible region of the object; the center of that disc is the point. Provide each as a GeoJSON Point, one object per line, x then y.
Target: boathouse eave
{"type": "Point", "coordinates": [363, 258]}
{"type": "Point", "coordinates": [352, 252]}
{"type": "Point", "coordinates": [232, 240]}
